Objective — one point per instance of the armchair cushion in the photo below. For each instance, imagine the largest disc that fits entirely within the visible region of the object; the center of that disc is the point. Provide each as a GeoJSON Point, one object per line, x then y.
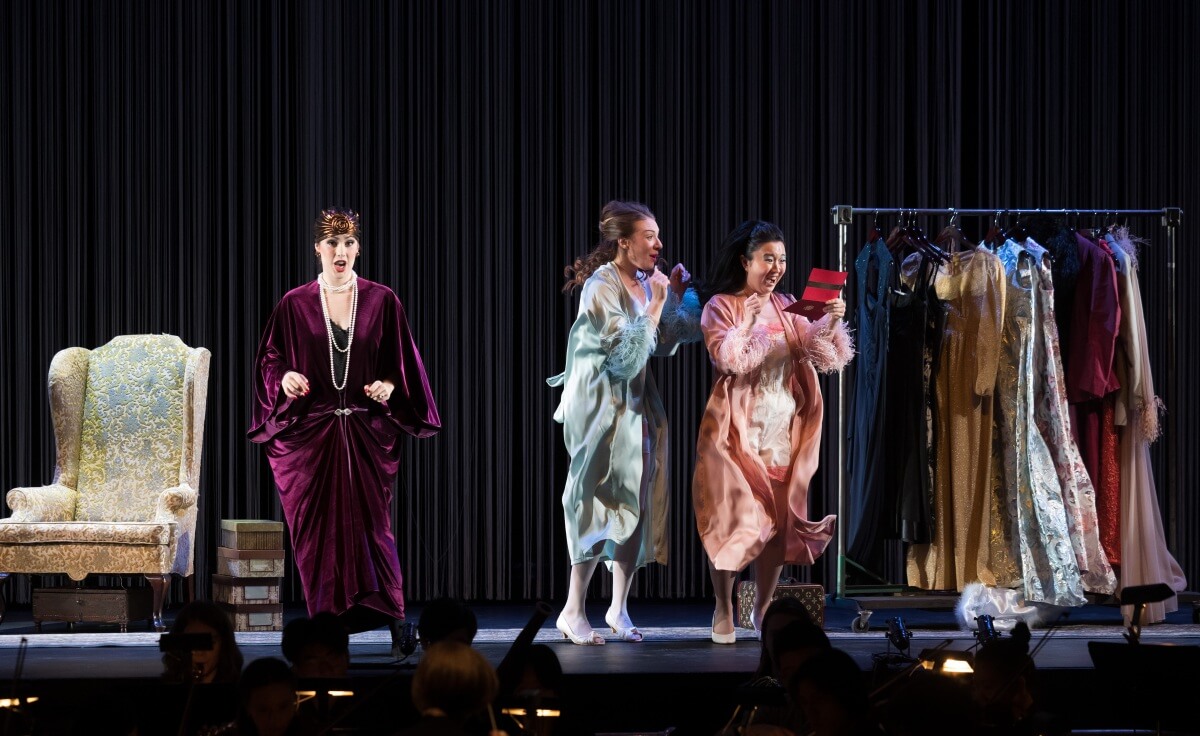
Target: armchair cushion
{"type": "Point", "coordinates": [48, 503]}
{"type": "Point", "coordinates": [83, 532]}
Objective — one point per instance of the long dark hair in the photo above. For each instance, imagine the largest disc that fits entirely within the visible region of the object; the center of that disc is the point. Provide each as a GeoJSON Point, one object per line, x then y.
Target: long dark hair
{"type": "Point", "coordinates": [177, 665]}
{"type": "Point", "coordinates": [618, 219]}
{"type": "Point", "coordinates": [727, 275]}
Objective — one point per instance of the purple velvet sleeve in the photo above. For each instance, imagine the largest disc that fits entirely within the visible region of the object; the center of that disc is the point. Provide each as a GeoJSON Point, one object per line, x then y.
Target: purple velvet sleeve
{"type": "Point", "coordinates": [412, 403]}
{"type": "Point", "coordinates": [273, 361]}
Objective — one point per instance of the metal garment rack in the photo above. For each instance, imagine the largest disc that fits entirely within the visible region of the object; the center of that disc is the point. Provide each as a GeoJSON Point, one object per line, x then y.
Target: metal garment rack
{"type": "Point", "coordinates": [843, 218]}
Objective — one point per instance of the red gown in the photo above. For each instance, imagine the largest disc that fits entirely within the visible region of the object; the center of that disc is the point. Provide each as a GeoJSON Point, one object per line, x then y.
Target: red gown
{"type": "Point", "coordinates": [1092, 383]}
{"type": "Point", "coordinates": [335, 470]}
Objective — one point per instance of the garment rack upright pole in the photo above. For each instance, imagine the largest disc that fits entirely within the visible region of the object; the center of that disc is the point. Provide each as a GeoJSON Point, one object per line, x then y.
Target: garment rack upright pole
{"type": "Point", "coordinates": [843, 218]}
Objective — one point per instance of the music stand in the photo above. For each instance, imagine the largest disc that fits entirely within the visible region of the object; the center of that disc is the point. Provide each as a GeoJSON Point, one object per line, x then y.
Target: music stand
{"type": "Point", "coordinates": [1138, 596]}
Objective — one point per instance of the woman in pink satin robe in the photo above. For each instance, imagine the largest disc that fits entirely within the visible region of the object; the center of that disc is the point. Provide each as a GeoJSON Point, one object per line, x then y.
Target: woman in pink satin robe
{"type": "Point", "coordinates": [761, 433]}
{"type": "Point", "coordinates": [339, 381]}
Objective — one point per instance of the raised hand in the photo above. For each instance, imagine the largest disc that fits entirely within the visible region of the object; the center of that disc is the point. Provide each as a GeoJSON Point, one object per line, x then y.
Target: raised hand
{"type": "Point", "coordinates": [836, 308]}
{"type": "Point", "coordinates": [659, 283]}
{"type": "Point", "coordinates": [380, 391]}
{"type": "Point", "coordinates": [753, 307]}
{"type": "Point", "coordinates": [680, 278]}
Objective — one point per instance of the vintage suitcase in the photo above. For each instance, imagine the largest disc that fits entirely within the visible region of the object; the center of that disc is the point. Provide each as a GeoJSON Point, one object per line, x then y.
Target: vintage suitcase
{"type": "Point", "coordinates": [93, 605]}
{"type": "Point", "coordinates": [255, 616]}
{"type": "Point", "coordinates": [250, 563]}
{"type": "Point", "coordinates": [251, 534]}
{"type": "Point", "coordinates": [228, 589]}
{"type": "Point", "coordinates": [811, 595]}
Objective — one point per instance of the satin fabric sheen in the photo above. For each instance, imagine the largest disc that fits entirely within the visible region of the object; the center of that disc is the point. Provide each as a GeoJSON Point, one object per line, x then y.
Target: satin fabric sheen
{"type": "Point", "coordinates": [335, 473]}
{"type": "Point", "coordinates": [614, 424]}
{"type": "Point", "coordinates": [1145, 556]}
{"type": "Point", "coordinates": [740, 509]}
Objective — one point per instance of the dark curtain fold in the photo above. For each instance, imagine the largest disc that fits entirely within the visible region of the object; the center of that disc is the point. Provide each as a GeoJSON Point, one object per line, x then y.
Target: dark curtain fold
{"type": "Point", "coordinates": [160, 164]}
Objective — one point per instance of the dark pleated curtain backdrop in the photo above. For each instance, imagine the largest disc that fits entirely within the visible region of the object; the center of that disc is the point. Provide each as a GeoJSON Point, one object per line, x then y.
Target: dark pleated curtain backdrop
{"type": "Point", "coordinates": [160, 164]}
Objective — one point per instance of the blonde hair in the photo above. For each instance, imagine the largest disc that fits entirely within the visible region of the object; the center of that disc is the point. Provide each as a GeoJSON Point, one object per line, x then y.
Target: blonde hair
{"type": "Point", "coordinates": [455, 679]}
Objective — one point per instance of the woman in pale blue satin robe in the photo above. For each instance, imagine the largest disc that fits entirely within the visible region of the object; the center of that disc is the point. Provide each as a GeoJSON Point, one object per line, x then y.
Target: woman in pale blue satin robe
{"type": "Point", "coordinates": [615, 500]}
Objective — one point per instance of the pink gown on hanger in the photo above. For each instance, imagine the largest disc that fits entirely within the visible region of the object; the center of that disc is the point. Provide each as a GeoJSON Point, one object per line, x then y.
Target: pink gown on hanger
{"type": "Point", "coordinates": [1145, 557]}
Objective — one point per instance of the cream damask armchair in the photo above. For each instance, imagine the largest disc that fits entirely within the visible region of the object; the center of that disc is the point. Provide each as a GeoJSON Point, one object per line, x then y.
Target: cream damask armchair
{"type": "Point", "coordinates": [129, 427]}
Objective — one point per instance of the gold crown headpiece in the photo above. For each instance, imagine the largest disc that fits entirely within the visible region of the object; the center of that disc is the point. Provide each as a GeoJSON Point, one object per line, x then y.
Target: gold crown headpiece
{"type": "Point", "coordinates": [336, 221]}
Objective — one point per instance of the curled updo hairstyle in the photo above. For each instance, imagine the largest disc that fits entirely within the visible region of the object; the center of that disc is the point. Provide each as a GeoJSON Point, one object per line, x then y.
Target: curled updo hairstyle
{"type": "Point", "coordinates": [618, 220]}
{"type": "Point", "coordinates": [727, 275]}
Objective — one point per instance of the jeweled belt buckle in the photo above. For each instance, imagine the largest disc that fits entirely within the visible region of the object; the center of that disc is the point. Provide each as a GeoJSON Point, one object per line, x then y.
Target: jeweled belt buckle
{"type": "Point", "coordinates": [343, 412]}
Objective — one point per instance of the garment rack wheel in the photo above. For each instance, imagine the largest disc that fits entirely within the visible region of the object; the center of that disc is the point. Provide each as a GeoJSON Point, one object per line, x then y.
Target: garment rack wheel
{"type": "Point", "coordinates": [861, 624]}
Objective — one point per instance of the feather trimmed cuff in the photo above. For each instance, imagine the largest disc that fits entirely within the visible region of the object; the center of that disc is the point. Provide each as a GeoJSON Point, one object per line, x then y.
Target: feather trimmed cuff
{"type": "Point", "coordinates": [1149, 415]}
{"type": "Point", "coordinates": [681, 319]}
{"type": "Point", "coordinates": [742, 350]}
{"type": "Point", "coordinates": [630, 347]}
{"type": "Point", "coordinates": [828, 349]}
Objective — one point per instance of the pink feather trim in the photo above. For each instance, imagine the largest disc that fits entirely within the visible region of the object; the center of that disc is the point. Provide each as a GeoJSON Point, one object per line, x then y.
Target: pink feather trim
{"type": "Point", "coordinates": [742, 351]}
{"type": "Point", "coordinates": [829, 350]}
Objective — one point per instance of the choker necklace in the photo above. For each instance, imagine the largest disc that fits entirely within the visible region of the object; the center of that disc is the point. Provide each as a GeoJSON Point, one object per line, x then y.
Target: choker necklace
{"type": "Point", "coordinates": [352, 284]}
{"type": "Point", "coordinates": [336, 289]}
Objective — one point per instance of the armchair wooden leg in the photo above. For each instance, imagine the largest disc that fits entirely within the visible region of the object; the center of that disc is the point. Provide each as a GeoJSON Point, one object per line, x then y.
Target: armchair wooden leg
{"type": "Point", "coordinates": [159, 584]}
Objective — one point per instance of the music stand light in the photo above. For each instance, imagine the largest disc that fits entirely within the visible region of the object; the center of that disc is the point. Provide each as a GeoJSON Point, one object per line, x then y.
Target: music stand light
{"type": "Point", "coordinates": [948, 661]}
{"type": "Point", "coordinates": [1138, 596]}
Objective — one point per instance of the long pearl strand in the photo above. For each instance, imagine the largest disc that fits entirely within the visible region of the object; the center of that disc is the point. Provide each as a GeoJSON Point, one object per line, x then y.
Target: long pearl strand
{"type": "Point", "coordinates": [353, 285]}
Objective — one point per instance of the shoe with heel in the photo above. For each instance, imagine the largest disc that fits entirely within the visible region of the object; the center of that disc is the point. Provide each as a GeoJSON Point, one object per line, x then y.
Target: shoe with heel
{"type": "Point", "coordinates": [592, 639]}
{"type": "Point", "coordinates": [729, 638]}
{"type": "Point", "coordinates": [626, 634]}
{"type": "Point", "coordinates": [395, 628]}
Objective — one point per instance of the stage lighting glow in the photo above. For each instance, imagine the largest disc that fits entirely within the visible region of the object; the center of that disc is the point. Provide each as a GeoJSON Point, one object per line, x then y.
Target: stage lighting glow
{"type": "Point", "coordinates": [947, 661]}
{"type": "Point", "coordinates": [17, 702]}
{"type": "Point", "coordinates": [539, 712]}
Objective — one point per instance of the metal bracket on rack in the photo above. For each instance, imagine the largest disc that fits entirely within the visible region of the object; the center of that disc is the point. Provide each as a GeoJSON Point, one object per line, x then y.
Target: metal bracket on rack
{"type": "Point", "coordinates": [1172, 216]}
{"type": "Point", "coordinates": [843, 214]}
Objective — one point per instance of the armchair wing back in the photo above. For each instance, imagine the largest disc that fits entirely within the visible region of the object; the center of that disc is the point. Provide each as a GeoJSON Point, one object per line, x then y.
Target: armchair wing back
{"type": "Point", "coordinates": [129, 426]}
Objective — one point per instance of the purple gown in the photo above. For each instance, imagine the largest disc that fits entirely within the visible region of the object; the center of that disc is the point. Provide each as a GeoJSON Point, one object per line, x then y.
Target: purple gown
{"type": "Point", "coordinates": [335, 472]}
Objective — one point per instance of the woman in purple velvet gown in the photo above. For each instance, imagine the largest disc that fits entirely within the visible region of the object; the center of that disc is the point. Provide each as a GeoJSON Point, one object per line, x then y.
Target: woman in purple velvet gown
{"type": "Point", "coordinates": [338, 380]}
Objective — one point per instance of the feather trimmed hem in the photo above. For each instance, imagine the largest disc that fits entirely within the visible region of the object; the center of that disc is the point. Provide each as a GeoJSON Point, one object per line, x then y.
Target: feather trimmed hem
{"type": "Point", "coordinates": [829, 350]}
{"type": "Point", "coordinates": [629, 348]}
{"type": "Point", "coordinates": [743, 351]}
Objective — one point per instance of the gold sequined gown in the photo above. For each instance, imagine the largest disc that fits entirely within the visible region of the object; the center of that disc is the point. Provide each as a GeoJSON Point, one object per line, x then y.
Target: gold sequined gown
{"type": "Point", "coordinates": [968, 544]}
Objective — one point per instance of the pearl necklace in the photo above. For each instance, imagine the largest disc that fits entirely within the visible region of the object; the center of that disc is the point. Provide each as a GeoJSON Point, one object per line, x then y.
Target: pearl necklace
{"type": "Point", "coordinates": [353, 285]}
{"type": "Point", "coordinates": [336, 289]}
